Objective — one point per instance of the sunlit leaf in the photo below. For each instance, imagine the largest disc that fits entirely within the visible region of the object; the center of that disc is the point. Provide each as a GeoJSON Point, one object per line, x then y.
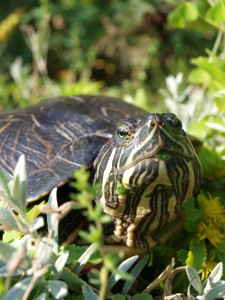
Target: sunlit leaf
{"type": "Point", "coordinates": [58, 289]}
{"type": "Point", "coordinates": [185, 12]}
{"type": "Point", "coordinates": [19, 185]}
{"type": "Point", "coordinates": [84, 258]}
{"type": "Point", "coordinates": [37, 224]}
{"type": "Point", "coordinates": [199, 76]}
{"type": "Point", "coordinates": [135, 273]}
{"type": "Point", "coordinates": [196, 254]}
{"type": "Point", "coordinates": [216, 13]}
{"type": "Point", "coordinates": [60, 263]}
{"type": "Point", "coordinates": [194, 279]}
{"type": "Point", "coordinates": [124, 266]}
{"type": "Point", "coordinates": [52, 221]}
{"type": "Point", "coordinates": [217, 292]}
{"type": "Point", "coordinates": [216, 273]}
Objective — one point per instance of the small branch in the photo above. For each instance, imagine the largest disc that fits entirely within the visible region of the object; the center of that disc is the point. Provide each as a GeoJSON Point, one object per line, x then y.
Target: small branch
{"type": "Point", "coordinates": [169, 280]}
{"type": "Point", "coordinates": [161, 277]}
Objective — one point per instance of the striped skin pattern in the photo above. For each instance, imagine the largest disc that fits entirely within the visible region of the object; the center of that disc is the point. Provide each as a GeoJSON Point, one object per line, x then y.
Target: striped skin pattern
{"type": "Point", "coordinates": [146, 171]}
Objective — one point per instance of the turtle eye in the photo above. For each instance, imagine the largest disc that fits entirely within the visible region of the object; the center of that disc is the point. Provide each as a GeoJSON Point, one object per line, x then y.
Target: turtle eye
{"type": "Point", "coordinates": [124, 134]}
{"type": "Point", "coordinates": [121, 132]}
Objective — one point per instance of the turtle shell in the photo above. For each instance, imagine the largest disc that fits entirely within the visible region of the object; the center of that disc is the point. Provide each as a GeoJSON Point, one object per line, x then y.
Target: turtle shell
{"type": "Point", "coordinates": [58, 136]}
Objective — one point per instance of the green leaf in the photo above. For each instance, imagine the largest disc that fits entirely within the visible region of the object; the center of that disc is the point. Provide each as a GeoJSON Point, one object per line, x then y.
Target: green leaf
{"type": "Point", "coordinates": [124, 267]}
{"type": "Point", "coordinates": [194, 279]}
{"type": "Point", "coordinates": [213, 66]}
{"type": "Point", "coordinates": [18, 290]}
{"type": "Point", "coordinates": [6, 250]}
{"type": "Point", "coordinates": [84, 258]}
{"type": "Point", "coordinates": [192, 215]}
{"type": "Point", "coordinates": [4, 180]}
{"type": "Point", "coordinates": [216, 13]}
{"type": "Point", "coordinates": [135, 273]}
{"type": "Point", "coordinates": [199, 76]}
{"type": "Point", "coordinates": [118, 297]}
{"type": "Point", "coordinates": [19, 185]}
{"type": "Point", "coordinates": [217, 292]}
{"type": "Point", "coordinates": [60, 263]}
{"type": "Point", "coordinates": [88, 293]}
{"type": "Point", "coordinates": [143, 296]}
{"type": "Point", "coordinates": [43, 296]}
{"type": "Point", "coordinates": [44, 251]}
{"type": "Point", "coordinates": [197, 254]}
{"type": "Point", "coordinates": [186, 12]}
{"type": "Point", "coordinates": [221, 247]}
{"type": "Point", "coordinates": [52, 220]}
{"type": "Point", "coordinates": [11, 235]}
{"type": "Point", "coordinates": [57, 288]}
{"type": "Point", "coordinates": [7, 219]}
{"type": "Point", "coordinates": [34, 212]}
{"type": "Point", "coordinates": [216, 273]}
{"type": "Point", "coordinates": [76, 251]}
{"type": "Point", "coordinates": [182, 255]}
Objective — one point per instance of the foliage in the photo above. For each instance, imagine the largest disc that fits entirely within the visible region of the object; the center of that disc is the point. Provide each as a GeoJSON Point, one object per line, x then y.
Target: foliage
{"type": "Point", "coordinates": [63, 47]}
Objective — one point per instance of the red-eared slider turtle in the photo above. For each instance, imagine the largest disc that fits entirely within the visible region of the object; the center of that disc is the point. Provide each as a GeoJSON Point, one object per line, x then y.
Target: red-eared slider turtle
{"type": "Point", "coordinates": [145, 163]}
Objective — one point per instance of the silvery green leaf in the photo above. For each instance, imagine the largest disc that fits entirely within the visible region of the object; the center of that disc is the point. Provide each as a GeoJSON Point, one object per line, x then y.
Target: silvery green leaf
{"type": "Point", "coordinates": [4, 180]}
{"type": "Point", "coordinates": [84, 258]}
{"type": "Point", "coordinates": [189, 295]}
{"type": "Point", "coordinates": [214, 277]}
{"type": "Point", "coordinates": [57, 288]}
{"type": "Point", "coordinates": [7, 219]}
{"type": "Point", "coordinates": [216, 126]}
{"type": "Point", "coordinates": [60, 263]}
{"type": "Point", "coordinates": [217, 292]}
{"type": "Point", "coordinates": [216, 273]}
{"type": "Point", "coordinates": [124, 266]}
{"type": "Point", "coordinates": [18, 290]}
{"type": "Point", "coordinates": [88, 292]}
{"type": "Point", "coordinates": [42, 297]}
{"type": "Point", "coordinates": [19, 190]}
{"type": "Point", "coordinates": [2, 263]}
{"type": "Point", "coordinates": [37, 224]}
{"type": "Point", "coordinates": [6, 250]}
{"type": "Point", "coordinates": [4, 271]}
{"type": "Point", "coordinates": [44, 251]}
{"type": "Point", "coordinates": [194, 279]}
{"type": "Point", "coordinates": [173, 83]}
{"type": "Point", "coordinates": [135, 272]}
{"type": "Point", "coordinates": [52, 221]}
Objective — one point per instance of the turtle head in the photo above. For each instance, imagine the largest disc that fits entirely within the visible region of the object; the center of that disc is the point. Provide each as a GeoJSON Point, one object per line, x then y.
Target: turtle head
{"type": "Point", "coordinates": [146, 171]}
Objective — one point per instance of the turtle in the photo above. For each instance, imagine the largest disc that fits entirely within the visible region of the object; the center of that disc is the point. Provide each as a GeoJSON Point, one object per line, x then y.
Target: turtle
{"type": "Point", "coordinates": [145, 164]}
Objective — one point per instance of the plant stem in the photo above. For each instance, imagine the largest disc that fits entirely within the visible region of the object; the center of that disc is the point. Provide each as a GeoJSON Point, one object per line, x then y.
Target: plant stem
{"type": "Point", "coordinates": [104, 273]}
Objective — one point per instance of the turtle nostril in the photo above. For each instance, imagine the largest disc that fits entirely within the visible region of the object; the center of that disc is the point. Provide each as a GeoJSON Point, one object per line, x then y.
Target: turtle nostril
{"type": "Point", "coordinates": [156, 121]}
{"type": "Point", "coordinates": [153, 123]}
{"type": "Point", "coordinates": [160, 122]}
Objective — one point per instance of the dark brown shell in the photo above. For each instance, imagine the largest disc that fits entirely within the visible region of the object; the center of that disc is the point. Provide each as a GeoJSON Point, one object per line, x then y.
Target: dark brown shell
{"type": "Point", "coordinates": [58, 136]}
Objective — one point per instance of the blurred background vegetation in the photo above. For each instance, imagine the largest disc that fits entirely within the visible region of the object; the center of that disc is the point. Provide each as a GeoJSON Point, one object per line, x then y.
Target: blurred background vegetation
{"type": "Point", "coordinates": [162, 55]}
{"type": "Point", "coordinates": [124, 48]}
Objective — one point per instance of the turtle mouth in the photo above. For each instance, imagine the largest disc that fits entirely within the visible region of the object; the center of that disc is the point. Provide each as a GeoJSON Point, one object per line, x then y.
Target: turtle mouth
{"type": "Point", "coordinates": [154, 155]}
{"type": "Point", "coordinates": [141, 158]}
